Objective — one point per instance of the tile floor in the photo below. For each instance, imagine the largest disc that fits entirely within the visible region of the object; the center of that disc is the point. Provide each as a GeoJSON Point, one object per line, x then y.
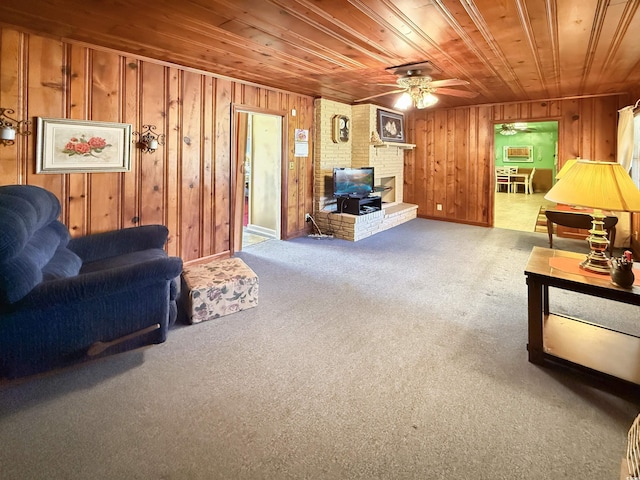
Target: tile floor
{"type": "Point", "coordinates": [518, 211]}
{"type": "Point", "coordinates": [251, 238]}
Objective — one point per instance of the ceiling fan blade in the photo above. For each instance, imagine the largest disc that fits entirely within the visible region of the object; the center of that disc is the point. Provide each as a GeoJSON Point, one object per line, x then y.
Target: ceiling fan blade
{"type": "Point", "coordinates": [448, 82]}
{"type": "Point", "coordinates": [379, 95]}
{"type": "Point", "coordinates": [456, 93]}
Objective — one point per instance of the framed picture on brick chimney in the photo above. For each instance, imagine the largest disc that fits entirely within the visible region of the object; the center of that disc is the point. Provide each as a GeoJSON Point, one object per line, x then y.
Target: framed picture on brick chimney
{"type": "Point", "coordinates": [390, 126]}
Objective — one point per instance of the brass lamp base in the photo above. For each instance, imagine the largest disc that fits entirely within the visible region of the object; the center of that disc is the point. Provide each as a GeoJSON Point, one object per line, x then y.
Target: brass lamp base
{"type": "Point", "coordinates": [597, 261]}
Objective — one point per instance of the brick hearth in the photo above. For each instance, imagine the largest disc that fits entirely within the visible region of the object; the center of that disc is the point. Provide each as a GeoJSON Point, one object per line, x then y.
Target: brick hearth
{"type": "Point", "coordinates": [357, 227]}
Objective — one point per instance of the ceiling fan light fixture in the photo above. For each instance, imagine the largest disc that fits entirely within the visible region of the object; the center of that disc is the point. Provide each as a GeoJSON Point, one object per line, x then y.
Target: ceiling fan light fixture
{"type": "Point", "coordinates": [417, 87]}
{"type": "Point", "coordinates": [403, 102]}
{"type": "Point", "coordinates": [508, 129]}
{"type": "Point", "coordinates": [427, 99]}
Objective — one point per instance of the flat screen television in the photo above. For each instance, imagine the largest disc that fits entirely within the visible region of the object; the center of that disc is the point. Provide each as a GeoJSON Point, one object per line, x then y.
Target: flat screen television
{"type": "Point", "coordinates": [352, 182]}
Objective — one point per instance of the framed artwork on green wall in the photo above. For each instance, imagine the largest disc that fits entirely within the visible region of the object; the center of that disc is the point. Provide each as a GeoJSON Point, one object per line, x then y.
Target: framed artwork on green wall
{"type": "Point", "coordinates": [542, 136]}
{"type": "Point", "coordinates": [518, 154]}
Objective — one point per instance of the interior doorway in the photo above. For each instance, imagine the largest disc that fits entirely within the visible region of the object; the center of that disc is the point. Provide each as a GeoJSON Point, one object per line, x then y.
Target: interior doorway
{"type": "Point", "coordinates": [532, 149]}
{"type": "Point", "coordinates": [259, 151]}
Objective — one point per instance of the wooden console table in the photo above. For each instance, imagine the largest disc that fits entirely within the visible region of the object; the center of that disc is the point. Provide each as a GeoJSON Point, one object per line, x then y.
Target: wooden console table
{"type": "Point", "coordinates": [554, 337]}
{"type": "Point", "coordinates": [578, 223]}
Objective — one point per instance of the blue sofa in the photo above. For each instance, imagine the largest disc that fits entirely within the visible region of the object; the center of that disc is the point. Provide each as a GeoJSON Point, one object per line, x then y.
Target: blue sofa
{"type": "Point", "coordinates": [65, 301]}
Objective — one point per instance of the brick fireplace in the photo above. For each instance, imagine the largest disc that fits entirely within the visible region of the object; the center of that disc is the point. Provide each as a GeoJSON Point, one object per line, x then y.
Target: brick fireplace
{"type": "Point", "coordinates": [388, 189]}
{"type": "Point", "coordinates": [359, 151]}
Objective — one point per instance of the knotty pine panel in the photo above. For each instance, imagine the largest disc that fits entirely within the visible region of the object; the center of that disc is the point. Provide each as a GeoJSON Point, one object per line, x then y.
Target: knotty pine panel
{"type": "Point", "coordinates": [292, 217]}
{"type": "Point", "coordinates": [77, 108]}
{"type": "Point", "coordinates": [150, 166]}
{"type": "Point", "coordinates": [569, 128]}
{"type": "Point", "coordinates": [453, 161]}
{"type": "Point", "coordinates": [185, 184]}
{"type": "Point", "coordinates": [451, 164]}
{"type": "Point", "coordinates": [106, 94]}
{"type": "Point", "coordinates": [272, 100]}
{"type": "Point", "coordinates": [437, 173]}
{"type": "Point", "coordinates": [587, 140]}
{"type": "Point", "coordinates": [191, 208]}
{"type": "Point", "coordinates": [43, 74]}
{"type": "Point", "coordinates": [251, 95]}
{"type": "Point", "coordinates": [605, 130]}
{"type": "Point", "coordinates": [303, 181]}
{"type": "Point", "coordinates": [131, 190]}
{"type": "Point", "coordinates": [415, 173]}
{"type": "Point", "coordinates": [10, 71]}
{"type": "Point", "coordinates": [464, 172]}
{"type": "Point", "coordinates": [483, 158]}
{"type": "Point", "coordinates": [172, 150]}
{"type": "Point", "coordinates": [222, 161]}
{"type": "Point", "coordinates": [207, 219]}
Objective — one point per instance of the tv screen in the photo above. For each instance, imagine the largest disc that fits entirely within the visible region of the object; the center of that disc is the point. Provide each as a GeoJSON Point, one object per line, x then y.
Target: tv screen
{"type": "Point", "coordinates": [352, 182]}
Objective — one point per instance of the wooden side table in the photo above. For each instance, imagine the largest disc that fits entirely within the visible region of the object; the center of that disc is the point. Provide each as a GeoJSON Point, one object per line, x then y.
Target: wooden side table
{"type": "Point", "coordinates": [554, 337]}
{"type": "Point", "coordinates": [578, 220]}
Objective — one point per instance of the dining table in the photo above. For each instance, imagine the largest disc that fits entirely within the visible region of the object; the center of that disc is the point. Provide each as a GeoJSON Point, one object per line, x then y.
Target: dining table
{"type": "Point", "coordinates": [516, 179]}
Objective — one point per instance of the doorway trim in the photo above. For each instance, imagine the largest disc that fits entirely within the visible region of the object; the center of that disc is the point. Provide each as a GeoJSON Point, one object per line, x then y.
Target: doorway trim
{"type": "Point", "coordinates": [237, 172]}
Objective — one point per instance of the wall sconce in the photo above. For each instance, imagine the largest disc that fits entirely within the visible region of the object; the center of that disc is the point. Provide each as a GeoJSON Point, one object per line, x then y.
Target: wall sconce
{"type": "Point", "coordinates": [148, 140]}
{"type": "Point", "coordinates": [9, 127]}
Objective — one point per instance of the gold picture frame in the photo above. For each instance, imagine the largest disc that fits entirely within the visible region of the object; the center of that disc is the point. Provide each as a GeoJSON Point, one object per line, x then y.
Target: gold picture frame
{"type": "Point", "coordinates": [82, 146]}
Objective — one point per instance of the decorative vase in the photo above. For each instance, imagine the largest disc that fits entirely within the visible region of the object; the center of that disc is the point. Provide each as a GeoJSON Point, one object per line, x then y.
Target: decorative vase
{"type": "Point", "coordinates": [622, 275]}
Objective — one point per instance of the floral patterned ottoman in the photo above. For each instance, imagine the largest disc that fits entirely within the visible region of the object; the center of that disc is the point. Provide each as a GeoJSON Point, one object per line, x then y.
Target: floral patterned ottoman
{"type": "Point", "coordinates": [218, 288]}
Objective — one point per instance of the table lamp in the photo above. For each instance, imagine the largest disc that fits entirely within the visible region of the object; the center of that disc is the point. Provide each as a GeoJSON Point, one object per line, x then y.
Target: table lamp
{"type": "Point", "coordinates": [600, 186]}
{"type": "Point", "coordinates": [565, 168]}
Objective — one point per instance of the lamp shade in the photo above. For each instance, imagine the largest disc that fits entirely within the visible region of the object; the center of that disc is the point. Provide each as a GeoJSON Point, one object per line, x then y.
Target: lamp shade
{"type": "Point", "coordinates": [419, 97]}
{"type": "Point", "coordinates": [565, 168]}
{"type": "Point", "coordinates": [427, 99]}
{"type": "Point", "coordinates": [600, 185]}
{"type": "Point", "coordinates": [404, 101]}
{"type": "Point", "coordinates": [7, 133]}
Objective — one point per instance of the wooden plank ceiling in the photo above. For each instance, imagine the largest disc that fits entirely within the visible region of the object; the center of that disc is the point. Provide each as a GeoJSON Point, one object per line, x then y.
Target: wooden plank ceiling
{"type": "Point", "coordinates": [508, 50]}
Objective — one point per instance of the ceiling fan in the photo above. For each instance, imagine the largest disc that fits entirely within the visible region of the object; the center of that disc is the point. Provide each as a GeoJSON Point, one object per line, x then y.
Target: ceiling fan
{"type": "Point", "coordinates": [418, 88]}
{"type": "Point", "coordinates": [513, 128]}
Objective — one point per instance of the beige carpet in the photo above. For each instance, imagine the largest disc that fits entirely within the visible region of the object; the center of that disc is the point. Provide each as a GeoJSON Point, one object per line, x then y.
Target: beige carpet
{"type": "Point", "coordinates": [399, 357]}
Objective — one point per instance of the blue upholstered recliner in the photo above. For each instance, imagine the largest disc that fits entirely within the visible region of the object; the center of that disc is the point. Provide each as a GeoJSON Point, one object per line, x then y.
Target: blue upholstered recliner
{"type": "Point", "coordinates": [65, 301]}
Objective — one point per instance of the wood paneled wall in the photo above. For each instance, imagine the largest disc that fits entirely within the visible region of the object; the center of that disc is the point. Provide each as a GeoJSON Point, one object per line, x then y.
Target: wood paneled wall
{"type": "Point", "coordinates": [452, 163]}
{"type": "Point", "coordinates": [186, 184]}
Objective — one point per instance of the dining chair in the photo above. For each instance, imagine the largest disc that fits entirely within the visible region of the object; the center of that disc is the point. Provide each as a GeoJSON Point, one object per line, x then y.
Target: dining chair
{"type": "Point", "coordinates": [526, 180]}
{"type": "Point", "coordinates": [503, 178]}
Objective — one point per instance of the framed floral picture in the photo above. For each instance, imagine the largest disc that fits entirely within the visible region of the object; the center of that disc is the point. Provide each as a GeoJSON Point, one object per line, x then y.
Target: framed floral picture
{"type": "Point", "coordinates": [390, 126]}
{"type": "Point", "coordinates": [79, 146]}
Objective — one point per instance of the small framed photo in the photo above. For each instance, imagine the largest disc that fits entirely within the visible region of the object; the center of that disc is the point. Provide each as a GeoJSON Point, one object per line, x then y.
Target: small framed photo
{"type": "Point", "coordinates": [80, 146]}
{"type": "Point", "coordinates": [390, 126]}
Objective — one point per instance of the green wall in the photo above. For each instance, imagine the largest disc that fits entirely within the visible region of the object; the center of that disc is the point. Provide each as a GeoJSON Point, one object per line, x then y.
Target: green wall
{"type": "Point", "coordinates": [543, 138]}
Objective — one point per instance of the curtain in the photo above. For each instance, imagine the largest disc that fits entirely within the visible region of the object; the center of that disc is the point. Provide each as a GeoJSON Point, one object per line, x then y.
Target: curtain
{"type": "Point", "coordinates": [625, 155]}
{"type": "Point", "coordinates": [625, 137]}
